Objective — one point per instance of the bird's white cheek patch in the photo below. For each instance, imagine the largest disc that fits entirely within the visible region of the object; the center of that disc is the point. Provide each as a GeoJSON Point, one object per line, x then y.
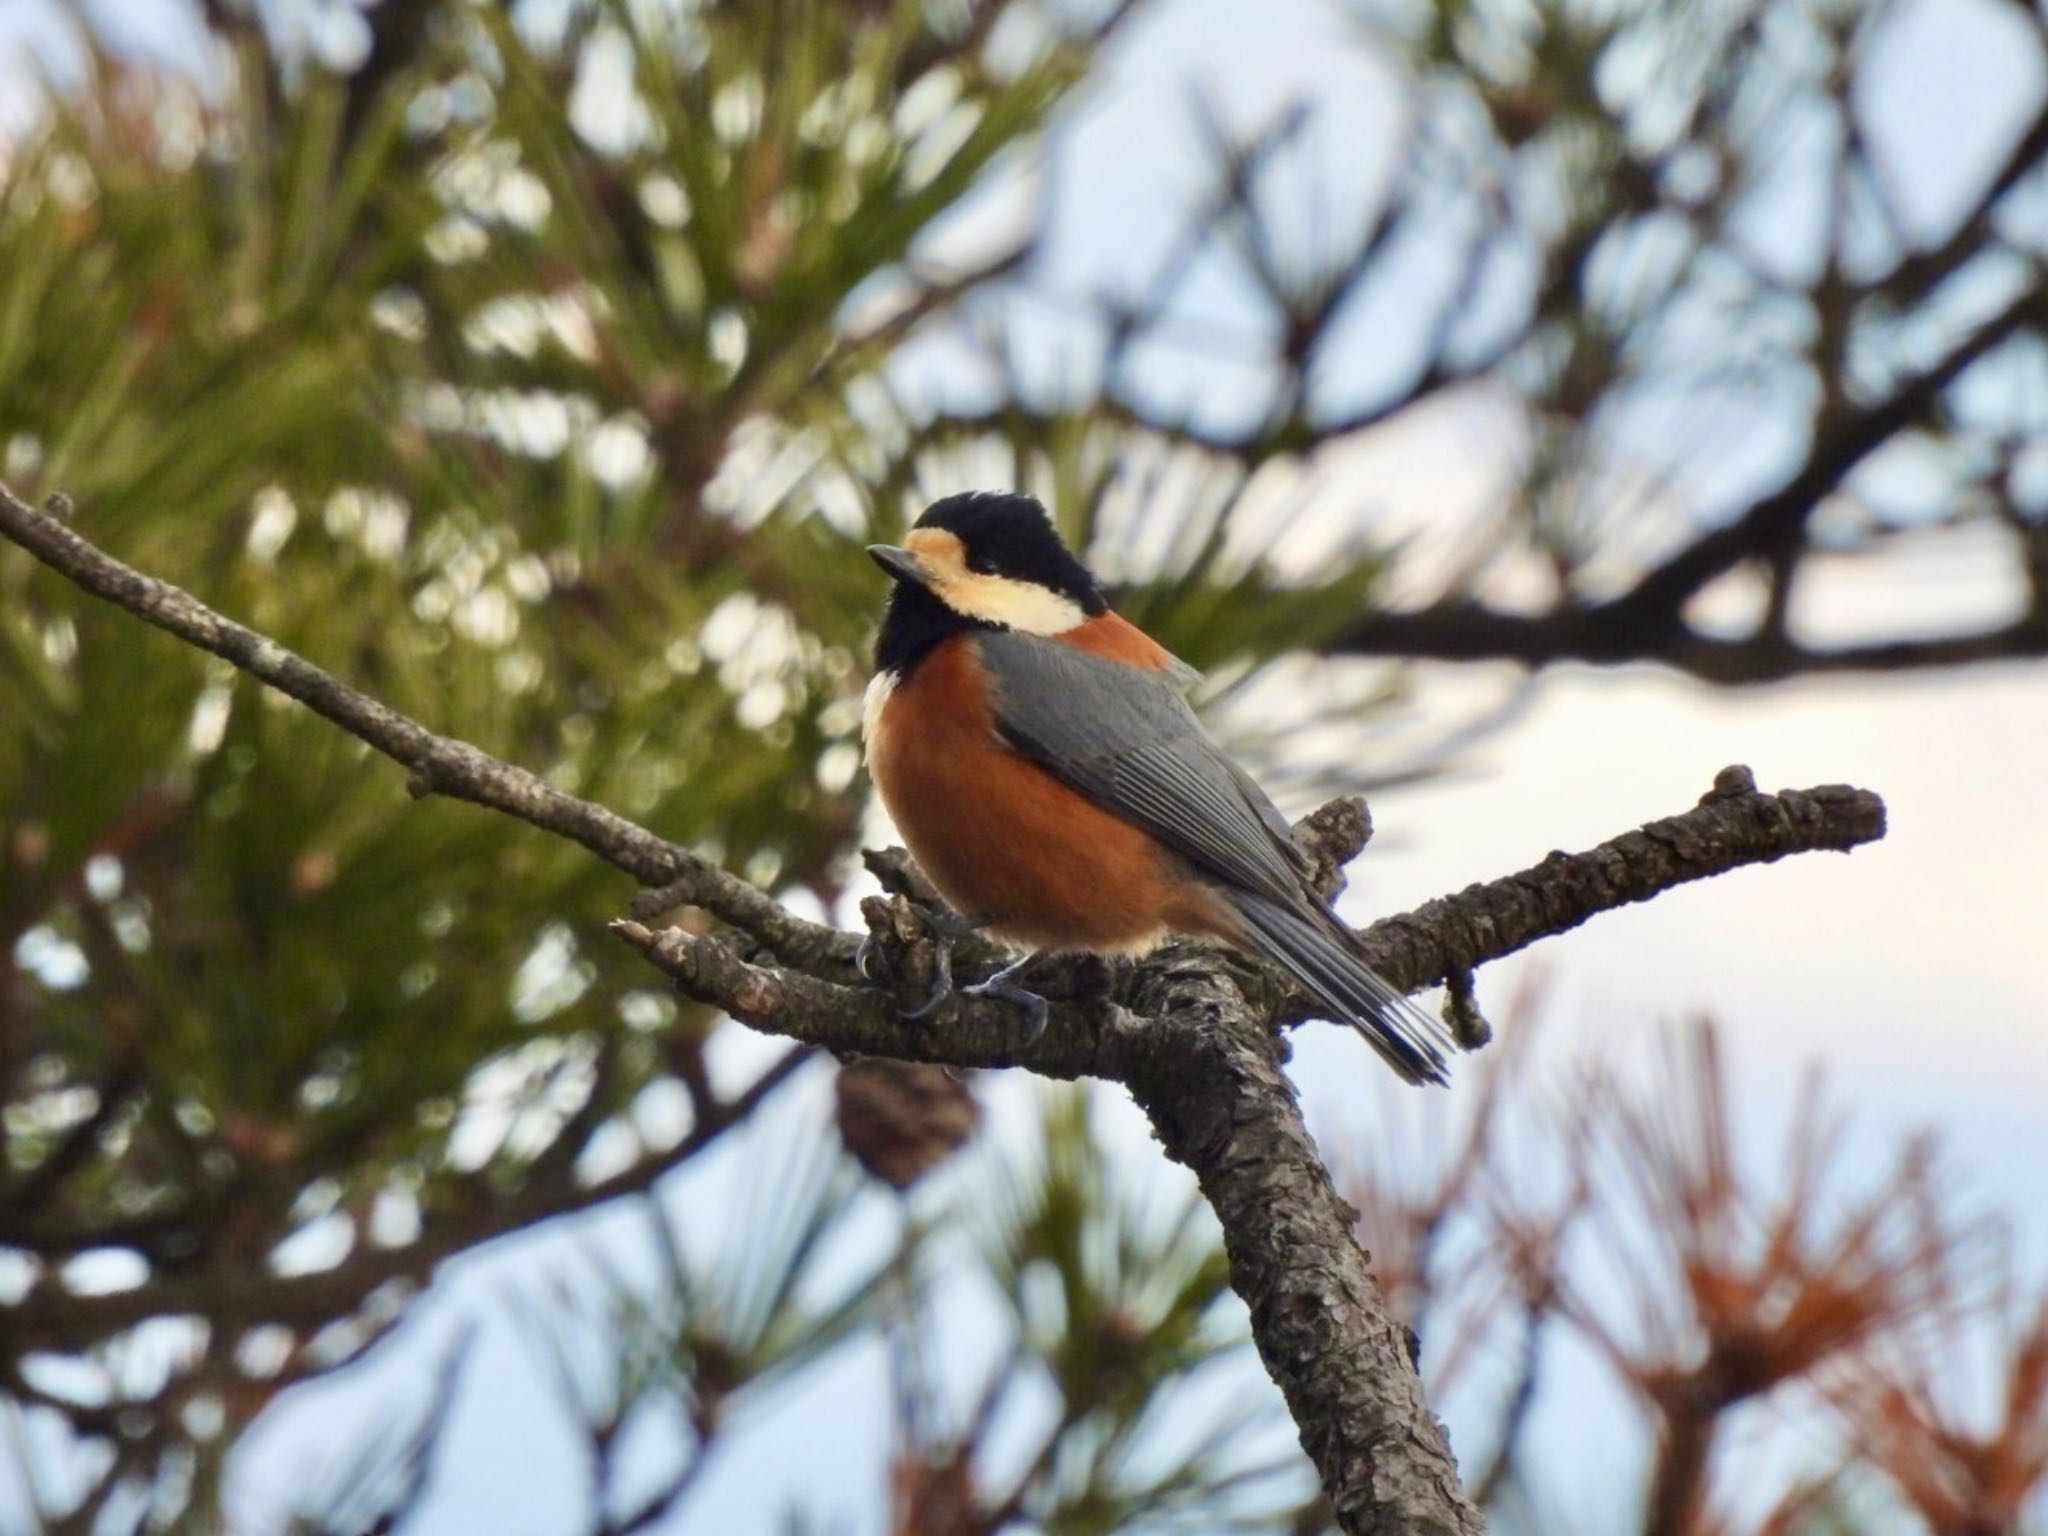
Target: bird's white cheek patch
{"type": "Point", "coordinates": [1021, 605]}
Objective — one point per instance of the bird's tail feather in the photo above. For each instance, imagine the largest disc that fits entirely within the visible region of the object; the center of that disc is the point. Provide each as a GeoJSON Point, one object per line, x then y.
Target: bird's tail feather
{"type": "Point", "coordinates": [1322, 955]}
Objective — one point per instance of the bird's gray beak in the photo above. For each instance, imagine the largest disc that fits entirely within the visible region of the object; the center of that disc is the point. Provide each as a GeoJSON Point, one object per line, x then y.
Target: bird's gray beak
{"type": "Point", "coordinates": [899, 563]}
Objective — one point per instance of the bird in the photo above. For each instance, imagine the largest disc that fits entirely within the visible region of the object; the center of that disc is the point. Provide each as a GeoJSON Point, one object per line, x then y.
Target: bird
{"type": "Point", "coordinates": [1039, 756]}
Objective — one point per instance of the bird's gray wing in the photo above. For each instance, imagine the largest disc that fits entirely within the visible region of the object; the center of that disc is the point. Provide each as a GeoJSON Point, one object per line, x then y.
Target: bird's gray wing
{"type": "Point", "coordinates": [1126, 738]}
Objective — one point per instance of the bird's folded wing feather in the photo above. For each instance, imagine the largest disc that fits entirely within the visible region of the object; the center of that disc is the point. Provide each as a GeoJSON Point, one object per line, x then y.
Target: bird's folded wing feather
{"type": "Point", "coordinates": [1126, 738]}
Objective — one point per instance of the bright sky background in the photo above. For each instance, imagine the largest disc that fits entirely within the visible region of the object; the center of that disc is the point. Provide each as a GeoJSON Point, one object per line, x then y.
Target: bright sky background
{"type": "Point", "coordinates": [1913, 969]}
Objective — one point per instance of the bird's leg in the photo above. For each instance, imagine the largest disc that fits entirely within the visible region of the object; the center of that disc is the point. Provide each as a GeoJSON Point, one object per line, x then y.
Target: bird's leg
{"type": "Point", "coordinates": [1003, 989]}
{"type": "Point", "coordinates": [946, 927]}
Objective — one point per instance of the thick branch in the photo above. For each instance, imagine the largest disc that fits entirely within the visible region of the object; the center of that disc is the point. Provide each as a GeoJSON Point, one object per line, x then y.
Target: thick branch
{"type": "Point", "coordinates": [1198, 1055]}
{"type": "Point", "coordinates": [1460, 630]}
{"type": "Point", "coordinates": [1734, 824]}
{"type": "Point", "coordinates": [864, 1021]}
{"type": "Point", "coordinates": [1203, 1063]}
{"type": "Point", "coordinates": [1208, 1074]}
{"type": "Point", "coordinates": [1647, 622]}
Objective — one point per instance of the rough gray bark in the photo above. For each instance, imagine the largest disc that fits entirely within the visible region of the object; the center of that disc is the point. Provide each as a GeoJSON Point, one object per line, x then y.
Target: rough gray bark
{"type": "Point", "coordinates": [1191, 1032]}
{"type": "Point", "coordinates": [1209, 1077]}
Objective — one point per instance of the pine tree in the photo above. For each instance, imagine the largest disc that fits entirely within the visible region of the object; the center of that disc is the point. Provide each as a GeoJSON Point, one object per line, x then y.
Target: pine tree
{"type": "Point", "coordinates": [540, 373]}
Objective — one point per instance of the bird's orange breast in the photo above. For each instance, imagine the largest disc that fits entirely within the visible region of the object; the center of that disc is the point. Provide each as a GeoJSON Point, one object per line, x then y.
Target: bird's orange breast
{"type": "Point", "coordinates": [1006, 841]}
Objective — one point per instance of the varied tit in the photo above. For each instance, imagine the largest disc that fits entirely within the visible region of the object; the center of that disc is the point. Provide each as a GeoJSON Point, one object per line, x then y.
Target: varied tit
{"type": "Point", "coordinates": [1041, 761]}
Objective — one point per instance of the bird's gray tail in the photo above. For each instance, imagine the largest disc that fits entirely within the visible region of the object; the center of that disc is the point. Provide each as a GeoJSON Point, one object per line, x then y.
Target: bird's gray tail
{"type": "Point", "coordinates": [1322, 955]}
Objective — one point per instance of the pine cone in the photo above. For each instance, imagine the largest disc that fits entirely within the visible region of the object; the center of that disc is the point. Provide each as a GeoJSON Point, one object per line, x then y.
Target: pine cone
{"type": "Point", "coordinates": [901, 1119]}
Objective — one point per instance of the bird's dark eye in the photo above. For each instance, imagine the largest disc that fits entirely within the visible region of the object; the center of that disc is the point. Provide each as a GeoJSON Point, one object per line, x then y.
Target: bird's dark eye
{"type": "Point", "coordinates": [981, 565]}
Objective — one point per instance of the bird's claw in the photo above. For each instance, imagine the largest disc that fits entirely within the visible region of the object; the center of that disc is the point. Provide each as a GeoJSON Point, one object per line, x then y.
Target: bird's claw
{"type": "Point", "coordinates": [1002, 989]}
{"type": "Point", "coordinates": [946, 927]}
{"type": "Point", "coordinates": [942, 979]}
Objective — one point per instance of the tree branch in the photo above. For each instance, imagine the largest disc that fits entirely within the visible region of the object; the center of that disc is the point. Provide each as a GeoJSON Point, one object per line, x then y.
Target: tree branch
{"type": "Point", "coordinates": [1919, 272]}
{"type": "Point", "coordinates": [1835, 454]}
{"type": "Point", "coordinates": [1190, 1032]}
{"type": "Point", "coordinates": [1208, 1074]}
{"type": "Point", "coordinates": [439, 764]}
{"type": "Point", "coordinates": [1734, 824]}
{"type": "Point", "coordinates": [1460, 630]}
{"type": "Point", "coordinates": [1197, 1052]}
{"type": "Point", "coordinates": [50, 1317]}
{"type": "Point", "coordinates": [1647, 622]}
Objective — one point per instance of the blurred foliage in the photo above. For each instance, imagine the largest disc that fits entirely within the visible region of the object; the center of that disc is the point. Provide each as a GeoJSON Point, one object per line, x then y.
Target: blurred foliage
{"type": "Point", "coordinates": [420, 371]}
{"type": "Point", "coordinates": [1790, 1334]}
{"type": "Point", "coordinates": [529, 379]}
{"type": "Point", "coordinates": [541, 369]}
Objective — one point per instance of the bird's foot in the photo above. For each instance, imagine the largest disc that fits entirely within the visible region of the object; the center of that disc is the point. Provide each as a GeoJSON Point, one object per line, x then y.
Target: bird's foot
{"type": "Point", "coordinates": [1003, 989]}
{"type": "Point", "coordinates": [946, 928]}
{"type": "Point", "coordinates": [942, 978]}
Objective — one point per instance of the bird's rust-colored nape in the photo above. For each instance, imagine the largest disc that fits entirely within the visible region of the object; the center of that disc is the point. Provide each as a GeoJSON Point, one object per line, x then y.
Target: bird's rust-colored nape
{"type": "Point", "coordinates": [968, 807]}
{"type": "Point", "coordinates": [1116, 638]}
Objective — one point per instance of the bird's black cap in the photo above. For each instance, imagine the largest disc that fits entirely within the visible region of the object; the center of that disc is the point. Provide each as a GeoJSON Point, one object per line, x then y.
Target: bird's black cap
{"type": "Point", "coordinates": [1009, 535]}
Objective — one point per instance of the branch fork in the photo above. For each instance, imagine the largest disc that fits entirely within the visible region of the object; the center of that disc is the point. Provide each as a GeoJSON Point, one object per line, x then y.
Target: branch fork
{"type": "Point", "coordinates": [1190, 1031]}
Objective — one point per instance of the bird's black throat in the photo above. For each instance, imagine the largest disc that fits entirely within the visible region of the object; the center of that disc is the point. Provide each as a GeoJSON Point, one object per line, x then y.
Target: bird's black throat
{"type": "Point", "coordinates": [913, 625]}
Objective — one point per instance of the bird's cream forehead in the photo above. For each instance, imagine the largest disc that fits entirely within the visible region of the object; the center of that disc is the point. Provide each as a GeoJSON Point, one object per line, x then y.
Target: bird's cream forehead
{"type": "Point", "coordinates": [1022, 605]}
